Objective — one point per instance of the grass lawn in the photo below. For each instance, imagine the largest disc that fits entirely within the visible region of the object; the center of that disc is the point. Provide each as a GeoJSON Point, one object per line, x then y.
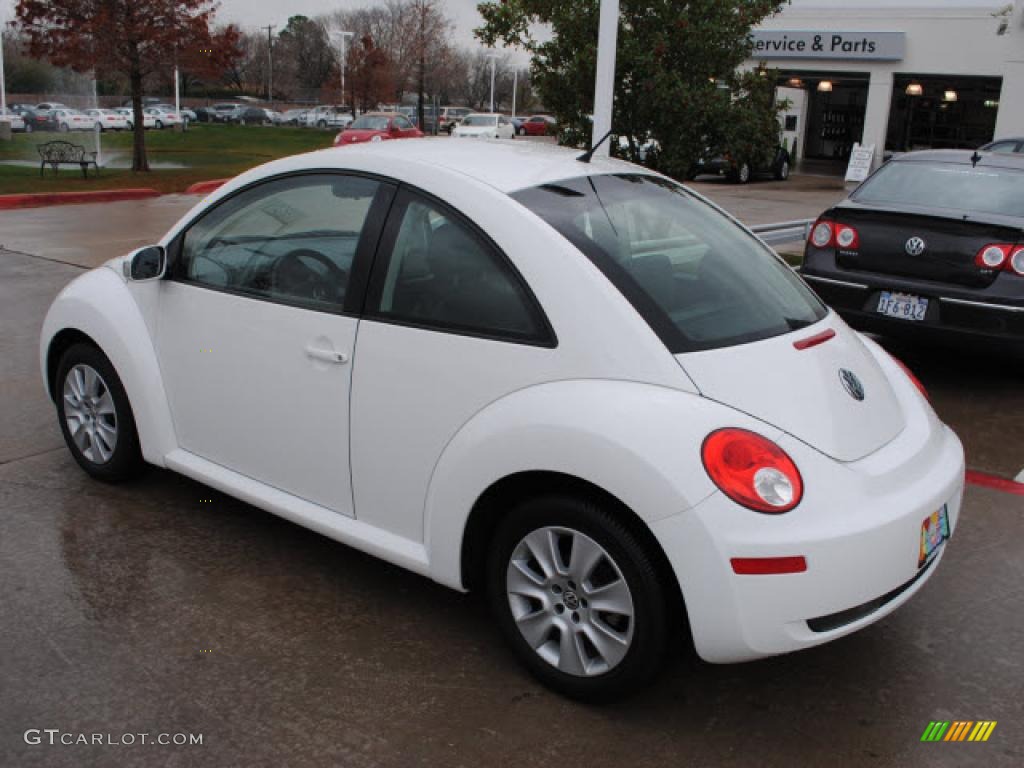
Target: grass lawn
{"type": "Point", "coordinates": [178, 159]}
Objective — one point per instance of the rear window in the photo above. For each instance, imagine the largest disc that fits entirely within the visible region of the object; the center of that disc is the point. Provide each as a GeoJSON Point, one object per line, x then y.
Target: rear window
{"type": "Point", "coordinates": [697, 277]}
{"type": "Point", "coordinates": [978, 189]}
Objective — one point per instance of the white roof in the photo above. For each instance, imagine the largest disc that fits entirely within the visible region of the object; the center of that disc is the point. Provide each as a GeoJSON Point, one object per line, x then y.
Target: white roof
{"type": "Point", "coordinates": [505, 165]}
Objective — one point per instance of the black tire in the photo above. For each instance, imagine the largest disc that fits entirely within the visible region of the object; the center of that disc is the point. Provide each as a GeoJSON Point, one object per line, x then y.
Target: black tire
{"type": "Point", "coordinates": [782, 171]}
{"type": "Point", "coordinates": [742, 174]}
{"type": "Point", "coordinates": [64, 128]}
{"type": "Point", "coordinates": [125, 461]}
{"type": "Point", "coordinates": [159, 125]}
{"type": "Point", "coordinates": [28, 127]}
{"type": "Point", "coordinates": [649, 623]}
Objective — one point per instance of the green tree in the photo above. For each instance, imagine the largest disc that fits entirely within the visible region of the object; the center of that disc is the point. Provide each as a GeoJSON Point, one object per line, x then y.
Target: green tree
{"type": "Point", "coordinates": [675, 73]}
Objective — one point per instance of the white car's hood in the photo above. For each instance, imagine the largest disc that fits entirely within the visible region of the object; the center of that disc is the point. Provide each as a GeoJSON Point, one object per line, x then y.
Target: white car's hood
{"type": "Point", "coordinates": [803, 391]}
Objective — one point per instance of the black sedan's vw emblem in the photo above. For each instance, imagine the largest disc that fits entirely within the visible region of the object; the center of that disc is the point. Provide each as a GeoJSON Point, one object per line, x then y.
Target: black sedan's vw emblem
{"type": "Point", "coordinates": [851, 384]}
{"type": "Point", "coordinates": [915, 246]}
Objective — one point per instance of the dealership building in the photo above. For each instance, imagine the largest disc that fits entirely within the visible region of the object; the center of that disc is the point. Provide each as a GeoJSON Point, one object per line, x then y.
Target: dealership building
{"type": "Point", "coordinates": [899, 75]}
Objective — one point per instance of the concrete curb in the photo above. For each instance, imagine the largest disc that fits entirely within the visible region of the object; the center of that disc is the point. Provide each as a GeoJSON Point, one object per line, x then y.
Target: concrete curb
{"type": "Point", "coordinates": [10, 202]}
{"type": "Point", "coordinates": [206, 187]}
{"type": "Point", "coordinates": [985, 480]}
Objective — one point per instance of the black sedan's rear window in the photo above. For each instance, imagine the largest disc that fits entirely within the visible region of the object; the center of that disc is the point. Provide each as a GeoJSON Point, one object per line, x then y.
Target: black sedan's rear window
{"type": "Point", "coordinates": [694, 275]}
{"type": "Point", "coordinates": [981, 189]}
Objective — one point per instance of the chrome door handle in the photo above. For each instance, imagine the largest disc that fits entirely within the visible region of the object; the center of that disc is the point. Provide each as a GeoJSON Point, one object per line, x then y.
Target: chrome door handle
{"type": "Point", "coordinates": [326, 355]}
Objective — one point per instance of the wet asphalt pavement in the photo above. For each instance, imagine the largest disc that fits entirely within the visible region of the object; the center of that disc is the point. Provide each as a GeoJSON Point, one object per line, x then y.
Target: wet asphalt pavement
{"type": "Point", "coordinates": [166, 607]}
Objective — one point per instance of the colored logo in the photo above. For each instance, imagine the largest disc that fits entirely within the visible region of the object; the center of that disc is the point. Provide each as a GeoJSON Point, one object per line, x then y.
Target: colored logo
{"type": "Point", "coordinates": [958, 730]}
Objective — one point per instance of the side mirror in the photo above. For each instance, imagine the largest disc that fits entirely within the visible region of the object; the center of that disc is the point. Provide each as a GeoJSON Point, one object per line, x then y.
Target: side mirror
{"type": "Point", "coordinates": [147, 263]}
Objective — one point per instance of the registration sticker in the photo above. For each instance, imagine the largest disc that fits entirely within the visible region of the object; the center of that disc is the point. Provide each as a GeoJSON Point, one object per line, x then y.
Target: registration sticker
{"type": "Point", "coordinates": [934, 531]}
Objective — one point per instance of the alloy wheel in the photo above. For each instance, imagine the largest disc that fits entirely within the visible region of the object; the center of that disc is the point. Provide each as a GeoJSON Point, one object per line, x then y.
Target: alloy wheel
{"type": "Point", "coordinates": [90, 414]}
{"type": "Point", "coordinates": [570, 601]}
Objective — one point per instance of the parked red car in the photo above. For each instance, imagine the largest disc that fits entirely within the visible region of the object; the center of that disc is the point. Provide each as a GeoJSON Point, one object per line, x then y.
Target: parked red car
{"type": "Point", "coordinates": [540, 125]}
{"type": "Point", "coordinates": [377, 126]}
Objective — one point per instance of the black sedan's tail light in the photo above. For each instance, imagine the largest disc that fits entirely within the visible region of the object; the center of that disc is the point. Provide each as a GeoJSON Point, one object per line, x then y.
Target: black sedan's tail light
{"type": "Point", "coordinates": [832, 234]}
{"type": "Point", "coordinates": [1015, 263]}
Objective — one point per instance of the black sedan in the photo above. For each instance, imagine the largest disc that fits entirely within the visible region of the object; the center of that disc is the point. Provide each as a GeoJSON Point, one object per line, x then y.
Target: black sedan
{"type": "Point", "coordinates": [34, 119]}
{"type": "Point", "coordinates": [741, 170]}
{"type": "Point", "coordinates": [930, 246]}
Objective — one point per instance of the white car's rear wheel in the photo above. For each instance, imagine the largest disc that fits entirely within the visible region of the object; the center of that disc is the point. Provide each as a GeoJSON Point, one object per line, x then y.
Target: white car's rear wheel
{"type": "Point", "coordinates": [95, 416]}
{"type": "Point", "coordinates": [578, 597]}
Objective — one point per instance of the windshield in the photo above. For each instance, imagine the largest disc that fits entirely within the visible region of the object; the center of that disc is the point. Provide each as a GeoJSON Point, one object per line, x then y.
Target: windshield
{"type": "Point", "coordinates": [982, 189]}
{"type": "Point", "coordinates": [698, 278]}
{"type": "Point", "coordinates": [480, 120]}
{"type": "Point", "coordinates": [369, 123]}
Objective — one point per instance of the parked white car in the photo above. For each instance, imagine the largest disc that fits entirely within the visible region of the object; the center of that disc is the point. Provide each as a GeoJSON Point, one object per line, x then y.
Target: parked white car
{"type": "Point", "coordinates": [17, 121]}
{"type": "Point", "coordinates": [187, 115]}
{"type": "Point", "coordinates": [72, 120]}
{"type": "Point", "coordinates": [108, 119]}
{"type": "Point", "coordinates": [485, 126]}
{"type": "Point", "coordinates": [148, 121]}
{"type": "Point", "coordinates": [328, 116]}
{"type": "Point", "coordinates": [577, 387]}
{"type": "Point", "coordinates": [163, 118]}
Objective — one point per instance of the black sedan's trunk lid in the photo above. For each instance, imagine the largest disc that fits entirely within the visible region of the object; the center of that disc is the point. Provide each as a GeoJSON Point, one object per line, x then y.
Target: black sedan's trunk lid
{"type": "Point", "coordinates": [927, 245]}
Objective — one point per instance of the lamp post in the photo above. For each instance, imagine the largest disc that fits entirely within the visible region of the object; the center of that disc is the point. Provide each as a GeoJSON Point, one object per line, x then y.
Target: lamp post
{"type": "Point", "coordinates": [342, 35]}
{"type": "Point", "coordinates": [493, 56]}
{"type": "Point", "coordinates": [3, 82]}
{"type": "Point", "coordinates": [604, 83]}
{"type": "Point", "coordinates": [515, 88]}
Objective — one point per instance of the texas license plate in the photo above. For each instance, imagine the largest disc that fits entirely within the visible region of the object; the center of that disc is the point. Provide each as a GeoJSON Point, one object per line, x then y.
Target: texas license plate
{"type": "Point", "coordinates": [934, 531]}
{"type": "Point", "coordinates": [905, 306]}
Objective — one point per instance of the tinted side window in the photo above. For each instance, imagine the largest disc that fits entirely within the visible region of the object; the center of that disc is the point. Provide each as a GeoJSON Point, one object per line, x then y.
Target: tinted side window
{"type": "Point", "coordinates": [443, 275]}
{"type": "Point", "coordinates": [291, 240]}
{"type": "Point", "coordinates": [402, 124]}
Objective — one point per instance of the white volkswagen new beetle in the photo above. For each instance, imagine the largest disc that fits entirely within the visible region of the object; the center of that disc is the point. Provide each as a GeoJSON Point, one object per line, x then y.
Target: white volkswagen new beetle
{"type": "Point", "coordinates": [577, 387]}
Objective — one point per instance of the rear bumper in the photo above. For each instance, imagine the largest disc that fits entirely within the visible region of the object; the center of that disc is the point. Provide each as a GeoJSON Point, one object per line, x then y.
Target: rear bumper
{"type": "Point", "coordinates": [862, 564]}
{"type": "Point", "coordinates": [954, 314]}
{"type": "Point", "coordinates": [858, 527]}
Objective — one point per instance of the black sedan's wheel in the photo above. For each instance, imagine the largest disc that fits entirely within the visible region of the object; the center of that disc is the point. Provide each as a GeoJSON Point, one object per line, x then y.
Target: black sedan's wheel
{"type": "Point", "coordinates": [782, 172]}
{"type": "Point", "coordinates": [742, 174]}
{"type": "Point", "coordinates": [95, 415]}
{"type": "Point", "coordinates": [577, 597]}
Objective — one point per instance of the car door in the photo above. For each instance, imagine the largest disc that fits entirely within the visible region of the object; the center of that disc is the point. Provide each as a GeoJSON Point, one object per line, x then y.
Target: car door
{"type": "Point", "coordinates": [450, 327]}
{"type": "Point", "coordinates": [404, 128]}
{"type": "Point", "coordinates": [257, 326]}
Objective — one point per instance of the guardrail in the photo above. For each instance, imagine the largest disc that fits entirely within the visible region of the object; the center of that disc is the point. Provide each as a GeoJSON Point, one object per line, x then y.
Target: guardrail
{"type": "Point", "coordinates": [784, 232]}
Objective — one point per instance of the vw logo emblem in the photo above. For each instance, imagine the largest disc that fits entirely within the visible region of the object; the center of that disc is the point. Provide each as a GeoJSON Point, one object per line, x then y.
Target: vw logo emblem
{"type": "Point", "coordinates": [851, 384]}
{"type": "Point", "coordinates": [572, 602]}
{"type": "Point", "coordinates": [915, 246]}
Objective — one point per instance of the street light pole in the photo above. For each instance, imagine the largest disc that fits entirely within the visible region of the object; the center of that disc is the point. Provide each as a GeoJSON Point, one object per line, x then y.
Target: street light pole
{"type": "Point", "coordinates": [604, 83]}
{"type": "Point", "coordinates": [493, 56]}
{"type": "Point", "coordinates": [3, 82]}
{"type": "Point", "coordinates": [270, 61]}
{"type": "Point", "coordinates": [515, 88]}
{"type": "Point", "coordinates": [343, 35]}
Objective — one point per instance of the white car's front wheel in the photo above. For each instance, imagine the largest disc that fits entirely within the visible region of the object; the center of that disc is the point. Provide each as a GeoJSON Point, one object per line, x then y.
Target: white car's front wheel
{"type": "Point", "coordinates": [577, 595]}
{"type": "Point", "coordinates": [95, 415]}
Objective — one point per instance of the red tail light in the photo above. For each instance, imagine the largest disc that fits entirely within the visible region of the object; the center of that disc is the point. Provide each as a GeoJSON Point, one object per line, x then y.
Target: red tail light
{"type": "Point", "coordinates": [752, 470]}
{"type": "Point", "coordinates": [832, 234]}
{"type": "Point", "coordinates": [910, 375]}
{"type": "Point", "coordinates": [1016, 262]}
{"type": "Point", "coordinates": [993, 256]}
{"type": "Point", "coordinates": [847, 237]}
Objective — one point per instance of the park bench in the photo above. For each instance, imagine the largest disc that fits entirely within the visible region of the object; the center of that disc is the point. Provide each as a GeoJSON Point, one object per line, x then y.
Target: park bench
{"type": "Point", "coordinates": [58, 153]}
